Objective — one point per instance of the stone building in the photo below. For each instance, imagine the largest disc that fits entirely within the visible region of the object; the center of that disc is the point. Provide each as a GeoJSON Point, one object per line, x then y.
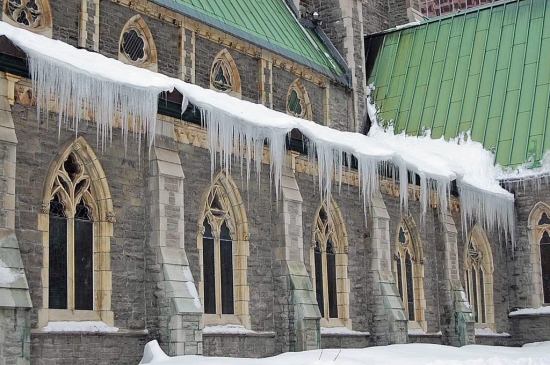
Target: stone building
{"type": "Point", "coordinates": [99, 235]}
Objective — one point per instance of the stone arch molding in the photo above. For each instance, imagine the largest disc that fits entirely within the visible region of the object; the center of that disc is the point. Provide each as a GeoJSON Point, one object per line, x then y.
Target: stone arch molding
{"type": "Point", "coordinates": [415, 249]}
{"type": "Point", "coordinates": [136, 33]}
{"type": "Point", "coordinates": [535, 232]}
{"type": "Point", "coordinates": [338, 234]}
{"type": "Point", "coordinates": [225, 65]}
{"type": "Point", "coordinates": [100, 201]}
{"type": "Point", "coordinates": [32, 15]}
{"type": "Point", "coordinates": [297, 101]}
{"type": "Point", "coordinates": [225, 190]}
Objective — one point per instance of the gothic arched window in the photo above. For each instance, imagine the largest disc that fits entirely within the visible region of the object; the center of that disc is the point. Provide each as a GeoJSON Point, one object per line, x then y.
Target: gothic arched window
{"type": "Point", "coordinates": [297, 101]}
{"type": "Point", "coordinates": [71, 239]}
{"type": "Point", "coordinates": [543, 226]}
{"type": "Point", "coordinates": [224, 75]}
{"type": "Point", "coordinates": [136, 45]}
{"type": "Point", "coordinates": [329, 263]}
{"type": "Point", "coordinates": [478, 277]}
{"type": "Point", "coordinates": [409, 272]}
{"type": "Point", "coordinates": [223, 247]}
{"type": "Point", "coordinates": [32, 15]}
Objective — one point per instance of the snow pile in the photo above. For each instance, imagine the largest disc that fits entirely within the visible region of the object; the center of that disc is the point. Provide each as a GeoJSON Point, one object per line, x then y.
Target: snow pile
{"type": "Point", "coordinates": [489, 332]}
{"type": "Point", "coordinates": [84, 82]}
{"type": "Point", "coordinates": [228, 329]}
{"type": "Point", "coordinates": [152, 353]}
{"type": "Point", "coordinates": [416, 331]}
{"type": "Point", "coordinates": [7, 275]}
{"type": "Point", "coordinates": [530, 311]}
{"type": "Point", "coordinates": [342, 331]}
{"type": "Point", "coordinates": [410, 354]}
{"type": "Point", "coordinates": [85, 326]}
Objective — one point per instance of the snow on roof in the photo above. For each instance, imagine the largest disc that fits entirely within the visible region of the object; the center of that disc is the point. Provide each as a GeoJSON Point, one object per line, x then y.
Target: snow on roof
{"type": "Point", "coordinates": [85, 82]}
{"type": "Point", "coordinates": [530, 311]}
{"type": "Point", "coordinates": [84, 326]}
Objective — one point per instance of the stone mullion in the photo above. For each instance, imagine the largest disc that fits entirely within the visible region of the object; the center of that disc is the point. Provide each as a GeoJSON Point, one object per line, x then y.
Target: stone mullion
{"type": "Point", "coordinates": [187, 55]}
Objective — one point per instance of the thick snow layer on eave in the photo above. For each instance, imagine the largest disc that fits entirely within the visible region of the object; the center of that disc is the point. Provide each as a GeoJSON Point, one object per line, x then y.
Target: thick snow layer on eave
{"type": "Point", "coordinates": [241, 128]}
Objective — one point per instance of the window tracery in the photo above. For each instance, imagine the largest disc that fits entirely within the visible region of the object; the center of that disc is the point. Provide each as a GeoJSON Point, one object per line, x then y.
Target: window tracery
{"type": "Point", "coordinates": [543, 228]}
{"type": "Point", "coordinates": [404, 269]}
{"type": "Point", "coordinates": [224, 75]}
{"type": "Point", "coordinates": [329, 266]}
{"type": "Point", "coordinates": [33, 15]}
{"type": "Point", "coordinates": [297, 101]}
{"type": "Point", "coordinates": [478, 277]}
{"type": "Point", "coordinates": [136, 44]}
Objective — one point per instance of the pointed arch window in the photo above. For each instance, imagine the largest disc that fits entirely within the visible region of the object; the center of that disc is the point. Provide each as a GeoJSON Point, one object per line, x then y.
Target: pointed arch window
{"type": "Point", "coordinates": [297, 101]}
{"type": "Point", "coordinates": [223, 248]}
{"type": "Point", "coordinates": [71, 237]}
{"type": "Point", "coordinates": [136, 44]}
{"type": "Point", "coordinates": [543, 227]}
{"type": "Point", "coordinates": [478, 277]}
{"type": "Point", "coordinates": [404, 272]}
{"type": "Point", "coordinates": [329, 267]}
{"type": "Point", "coordinates": [224, 75]}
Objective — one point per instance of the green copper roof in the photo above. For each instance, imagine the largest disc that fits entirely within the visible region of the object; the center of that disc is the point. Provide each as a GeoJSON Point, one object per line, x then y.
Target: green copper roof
{"type": "Point", "coordinates": [267, 23]}
{"type": "Point", "coordinates": [486, 70]}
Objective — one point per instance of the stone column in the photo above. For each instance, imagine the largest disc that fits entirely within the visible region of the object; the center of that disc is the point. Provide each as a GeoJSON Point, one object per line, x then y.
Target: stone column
{"type": "Point", "coordinates": [457, 323]}
{"type": "Point", "coordinates": [297, 316]}
{"type": "Point", "coordinates": [390, 321]}
{"type": "Point", "coordinates": [15, 301]}
{"type": "Point", "coordinates": [88, 36]}
{"type": "Point", "coordinates": [180, 309]}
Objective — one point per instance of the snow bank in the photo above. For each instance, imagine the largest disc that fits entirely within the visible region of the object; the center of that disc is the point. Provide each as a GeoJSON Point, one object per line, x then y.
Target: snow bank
{"type": "Point", "coordinates": [85, 326]}
{"type": "Point", "coordinates": [152, 353]}
{"type": "Point", "coordinates": [7, 275]}
{"type": "Point", "coordinates": [489, 332]}
{"type": "Point", "coordinates": [342, 331]}
{"type": "Point", "coordinates": [409, 354]}
{"type": "Point", "coordinates": [531, 311]}
{"type": "Point", "coordinates": [84, 82]}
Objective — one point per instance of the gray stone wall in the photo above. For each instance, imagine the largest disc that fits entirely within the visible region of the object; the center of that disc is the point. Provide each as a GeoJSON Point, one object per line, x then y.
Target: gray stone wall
{"type": "Point", "coordinates": [341, 108]}
{"type": "Point", "coordinates": [281, 83]}
{"type": "Point", "coordinates": [331, 17]}
{"type": "Point", "coordinates": [125, 176]}
{"type": "Point", "coordinates": [526, 329]}
{"type": "Point", "coordinates": [375, 16]}
{"type": "Point", "coordinates": [112, 19]}
{"type": "Point", "coordinates": [248, 67]}
{"type": "Point", "coordinates": [86, 349]}
{"type": "Point", "coordinates": [344, 342]}
{"type": "Point", "coordinates": [65, 19]}
{"type": "Point", "coordinates": [14, 336]}
{"type": "Point", "coordinates": [397, 13]}
{"type": "Point", "coordinates": [243, 346]}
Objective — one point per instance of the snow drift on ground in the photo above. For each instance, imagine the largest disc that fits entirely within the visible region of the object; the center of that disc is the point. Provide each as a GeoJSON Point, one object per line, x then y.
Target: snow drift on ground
{"type": "Point", "coordinates": [86, 83]}
{"type": "Point", "coordinates": [409, 354]}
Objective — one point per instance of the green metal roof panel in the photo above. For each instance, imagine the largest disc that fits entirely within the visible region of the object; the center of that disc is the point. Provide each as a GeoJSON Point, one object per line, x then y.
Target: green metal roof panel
{"type": "Point", "coordinates": [485, 70]}
{"type": "Point", "coordinates": [267, 23]}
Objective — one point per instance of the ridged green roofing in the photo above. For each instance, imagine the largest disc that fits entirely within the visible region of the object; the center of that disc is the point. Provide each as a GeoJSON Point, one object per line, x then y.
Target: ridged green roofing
{"type": "Point", "coordinates": [267, 23]}
{"type": "Point", "coordinates": [486, 70]}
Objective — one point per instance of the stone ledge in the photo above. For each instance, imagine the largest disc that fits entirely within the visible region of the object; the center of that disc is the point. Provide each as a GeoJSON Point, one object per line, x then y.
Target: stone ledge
{"type": "Point", "coordinates": [120, 333]}
{"type": "Point", "coordinates": [244, 334]}
{"type": "Point", "coordinates": [345, 335]}
{"type": "Point", "coordinates": [426, 335]}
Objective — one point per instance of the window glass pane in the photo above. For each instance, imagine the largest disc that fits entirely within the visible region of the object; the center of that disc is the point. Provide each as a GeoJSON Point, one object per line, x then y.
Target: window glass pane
{"type": "Point", "coordinates": [58, 262]}
{"type": "Point", "coordinates": [319, 279]}
{"type": "Point", "coordinates": [468, 286]}
{"type": "Point", "coordinates": [474, 293]}
{"type": "Point", "coordinates": [331, 278]}
{"type": "Point", "coordinates": [544, 219]}
{"type": "Point", "coordinates": [399, 276]}
{"type": "Point", "coordinates": [545, 238]}
{"type": "Point", "coordinates": [410, 289]}
{"type": "Point", "coordinates": [84, 274]}
{"type": "Point", "coordinates": [482, 296]}
{"type": "Point", "coordinates": [208, 270]}
{"type": "Point", "coordinates": [226, 257]}
{"type": "Point", "coordinates": [545, 266]}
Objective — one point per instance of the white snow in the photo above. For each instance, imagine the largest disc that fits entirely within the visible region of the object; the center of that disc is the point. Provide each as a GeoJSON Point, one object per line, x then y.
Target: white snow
{"type": "Point", "coordinates": [7, 275]}
{"type": "Point", "coordinates": [416, 331]}
{"type": "Point", "coordinates": [489, 332]}
{"type": "Point", "coordinates": [409, 354]}
{"type": "Point", "coordinates": [152, 353]}
{"type": "Point", "coordinates": [85, 326]}
{"type": "Point", "coordinates": [81, 79]}
{"type": "Point", "coordinates": [533, 311]}
{"type": "Point", "coordinates": [342, 331]}
{"type": "Point", "coordinates": [227, 329]}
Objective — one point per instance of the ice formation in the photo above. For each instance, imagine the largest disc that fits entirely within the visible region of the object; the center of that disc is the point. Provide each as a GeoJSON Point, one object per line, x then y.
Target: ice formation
{"type": "Point", "coordinates": [85, 82]}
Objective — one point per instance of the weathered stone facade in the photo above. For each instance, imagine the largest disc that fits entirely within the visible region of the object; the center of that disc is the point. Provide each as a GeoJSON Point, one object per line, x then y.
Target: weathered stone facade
{"type": "Point", "coordinates": [151, 264]}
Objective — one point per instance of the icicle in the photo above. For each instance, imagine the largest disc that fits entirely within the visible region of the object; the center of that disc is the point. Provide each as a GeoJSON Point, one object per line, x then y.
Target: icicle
{"type": "Point", "coordinates": [78, 95]}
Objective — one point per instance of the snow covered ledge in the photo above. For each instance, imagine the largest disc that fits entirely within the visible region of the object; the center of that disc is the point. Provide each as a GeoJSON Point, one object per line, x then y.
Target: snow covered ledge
{"type": "Point", "coordinates": [76, 78]}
